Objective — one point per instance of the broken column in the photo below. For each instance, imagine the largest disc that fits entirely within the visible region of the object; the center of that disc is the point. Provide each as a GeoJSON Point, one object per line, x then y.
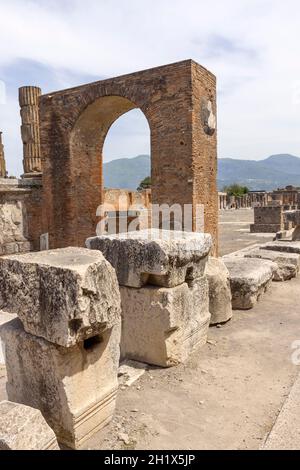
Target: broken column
{"type": "Point", "coordinates": [2, 159]}
{"type": "Point", "coordinates": [164, 292]}
{"type": "Point", "coordinates": [62, 353]}
{"type": "Point", "coordinates": [30, 132]}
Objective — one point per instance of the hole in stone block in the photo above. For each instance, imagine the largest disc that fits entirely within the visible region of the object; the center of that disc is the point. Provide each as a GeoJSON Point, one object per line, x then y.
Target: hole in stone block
{"type": "Point", "coordinates": [75, 324]}
{"type": "Point", "coordinates": [90, 343]}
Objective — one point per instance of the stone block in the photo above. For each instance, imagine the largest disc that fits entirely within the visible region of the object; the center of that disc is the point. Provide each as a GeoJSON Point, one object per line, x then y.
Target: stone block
{"type": "Point", "coordinates": [288, 264]}
{"type": "Point", "coordinates": [64, 295]}
{"type": "Point", "coordinates": [75, 388]}
{"type": "Point", "coordinates": [162, 326]}
{"type": "Point", "coordinates": [24, 428]}
{"type": "Point", "coordinates": [219, 291]}
{"type": "Point", "coordinates": [249, 279]}
{"type": "Point", "coordinates": [159, 257]}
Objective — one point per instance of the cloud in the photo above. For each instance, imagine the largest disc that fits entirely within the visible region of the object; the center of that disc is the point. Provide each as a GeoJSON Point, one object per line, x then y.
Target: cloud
{"type": "Point", "coordinates": [251, 45]}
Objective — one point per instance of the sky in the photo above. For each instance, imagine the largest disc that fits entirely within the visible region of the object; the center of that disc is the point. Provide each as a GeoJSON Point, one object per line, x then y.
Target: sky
{"type": "Point", "coordinates": [252, 46]}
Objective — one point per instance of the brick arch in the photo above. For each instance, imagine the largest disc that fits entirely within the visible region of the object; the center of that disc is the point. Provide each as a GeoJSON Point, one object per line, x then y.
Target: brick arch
{"type": "Point", "coordinates": [86, 146]}
{"type": "Point", "coordinates": [73, 125]}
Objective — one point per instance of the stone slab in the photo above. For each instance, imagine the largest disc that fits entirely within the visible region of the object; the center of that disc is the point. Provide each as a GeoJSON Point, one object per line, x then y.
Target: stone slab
{"type": "Point", "coordinates": [75, 388]}
{"type": "Point", "coordinates": [288, 263]}
{"type": "Point", "coordinates": [159, 257]}
{"type": "Point", "coordinates": [249, 279]}
{"type": "Point", "coordinates": [163, 326]}
{"type": "Point", "coordinates": [24, 428]}
{"type": "Point", "coordinates": [63, 295]}
{"type": "Point", "coordinates": [4, 318]}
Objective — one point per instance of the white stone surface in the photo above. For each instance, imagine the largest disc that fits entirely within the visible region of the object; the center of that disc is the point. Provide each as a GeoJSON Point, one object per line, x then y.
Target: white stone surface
{"type": "Point", "coordinates": [159, 257]}
{"type": "Point", "coordinates": [63, 295]}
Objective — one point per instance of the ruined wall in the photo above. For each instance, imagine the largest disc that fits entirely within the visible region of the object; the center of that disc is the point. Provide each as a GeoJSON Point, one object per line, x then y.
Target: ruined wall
{"type": "Point", "coordinates": [179, 102]}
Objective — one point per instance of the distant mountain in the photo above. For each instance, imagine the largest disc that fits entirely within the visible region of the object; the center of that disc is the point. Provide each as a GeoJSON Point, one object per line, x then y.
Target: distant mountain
{"type": "Point", "coordinates": [126, 173]}
{"type": "Point", "coordinates": [271, 173]}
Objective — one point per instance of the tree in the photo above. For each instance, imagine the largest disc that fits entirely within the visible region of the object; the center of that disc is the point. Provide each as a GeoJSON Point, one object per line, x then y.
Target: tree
{"type": "Point", "coordinates": [145, 184]}
{"type": "Point", "coordinates": [235, 190]}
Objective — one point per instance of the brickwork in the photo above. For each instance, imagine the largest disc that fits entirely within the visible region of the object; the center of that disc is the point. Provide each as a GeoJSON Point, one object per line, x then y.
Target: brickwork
{"type": "Point", "coordinates": [268, 219]}
{"type": "Point", "coordinates": [2, 159]}
{"type": "Point", "coordinates": [179, 102]}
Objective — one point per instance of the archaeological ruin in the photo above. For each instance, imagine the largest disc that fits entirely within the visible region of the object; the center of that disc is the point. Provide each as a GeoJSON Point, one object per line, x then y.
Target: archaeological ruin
{"type": "Point", "coordinates": [79, 300]}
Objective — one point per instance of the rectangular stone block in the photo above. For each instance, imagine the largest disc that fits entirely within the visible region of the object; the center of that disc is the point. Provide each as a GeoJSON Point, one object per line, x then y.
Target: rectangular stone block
{"type": "Point", "coordinates": [163, 326]}
{"type": "Point", "coordinates": [24, 428]}
{"type": "Point", "coordinates": [64, 295]}
{"type": "Point", "coordinates": [249, 279]}
{"type": "Point", "coordinates": [75, 388]}
{"type": "Point", "coordinates": [159, 257]}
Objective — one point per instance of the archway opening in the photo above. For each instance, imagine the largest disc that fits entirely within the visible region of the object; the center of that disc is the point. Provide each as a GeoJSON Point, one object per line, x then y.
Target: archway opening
{"type": "Point", "coordinates": [127, 174]}
{"type": "Point", "coordinates": [97, 124]}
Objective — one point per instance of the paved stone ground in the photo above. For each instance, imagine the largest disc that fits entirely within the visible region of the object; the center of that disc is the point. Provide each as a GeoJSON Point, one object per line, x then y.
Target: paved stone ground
{"type": "Point", "coordinates": [230, 392]}
{"type": "Point", "coordinates": [234, 231]}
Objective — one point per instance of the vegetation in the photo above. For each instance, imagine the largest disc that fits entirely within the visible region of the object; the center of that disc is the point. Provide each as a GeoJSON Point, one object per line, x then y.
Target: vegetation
{"type": "Point", "coordinates": [145, 184]}
{"type": "Point", "coordinates": [235, 190]}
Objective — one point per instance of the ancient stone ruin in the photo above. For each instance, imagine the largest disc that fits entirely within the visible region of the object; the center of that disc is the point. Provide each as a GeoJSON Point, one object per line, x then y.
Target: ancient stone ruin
{"type": "Point", "coordinates": [76, 303]}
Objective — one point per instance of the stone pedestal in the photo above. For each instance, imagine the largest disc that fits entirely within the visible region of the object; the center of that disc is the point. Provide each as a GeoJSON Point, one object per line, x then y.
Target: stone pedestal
{"type": "Point", "coordinates": [219, 291]}
{"type": "Point", "coordinates": [63, 357]}
{"type": "Point", "coordinates": [74, 388]}
{"type": "Point", "coordinates": [164, 294]}
{"type": "Point", "coordinates": [163, 326]}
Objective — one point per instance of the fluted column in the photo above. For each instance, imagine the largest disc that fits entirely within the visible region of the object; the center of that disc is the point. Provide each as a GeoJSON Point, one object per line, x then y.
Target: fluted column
{"type": "Point", "coordinates": [2, 159]}
{"type": "Point", "coordinates": [30, 132]}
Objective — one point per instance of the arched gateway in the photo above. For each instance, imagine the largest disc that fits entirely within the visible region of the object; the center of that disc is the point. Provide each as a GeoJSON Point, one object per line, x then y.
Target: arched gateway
{"type": "Point", "coordinates": [179, 102]}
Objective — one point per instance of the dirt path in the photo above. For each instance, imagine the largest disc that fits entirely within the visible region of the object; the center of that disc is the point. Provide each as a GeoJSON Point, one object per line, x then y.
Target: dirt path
{"type": "Point", "coordinates": [229, 393]}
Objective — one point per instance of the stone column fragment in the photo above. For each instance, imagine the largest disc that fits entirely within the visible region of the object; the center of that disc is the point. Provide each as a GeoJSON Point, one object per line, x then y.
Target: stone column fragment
{"type": "Point", "coordinates": [74, 388]}
{"type": "Point", "coordinates": [2, 159]}
{"type": "Point", "coordinates": [30, 132]}
{"type": "Point", "coordinates": [219, 291]}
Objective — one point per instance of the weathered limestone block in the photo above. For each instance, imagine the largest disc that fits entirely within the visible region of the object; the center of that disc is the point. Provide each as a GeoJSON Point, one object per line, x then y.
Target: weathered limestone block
{"type": "Point", "coordinates": [219, 291]}
{"type": "Point", "coordinates": [249, 279]}
{"type": "Point", "coordinates": [159, 257]}
{"type": "Point", "coordinates": [288, 264]}
{"type": "Point", "coordinates": [162, 326]}
{"type": "Point", "coordinates": [284, 246]}
{"type": "Point", "coordinates": [75, 388]}
{"type": "Point", "coordinates": [24, 428]}
{"type": "Point", "coordinates": [63, 295]}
